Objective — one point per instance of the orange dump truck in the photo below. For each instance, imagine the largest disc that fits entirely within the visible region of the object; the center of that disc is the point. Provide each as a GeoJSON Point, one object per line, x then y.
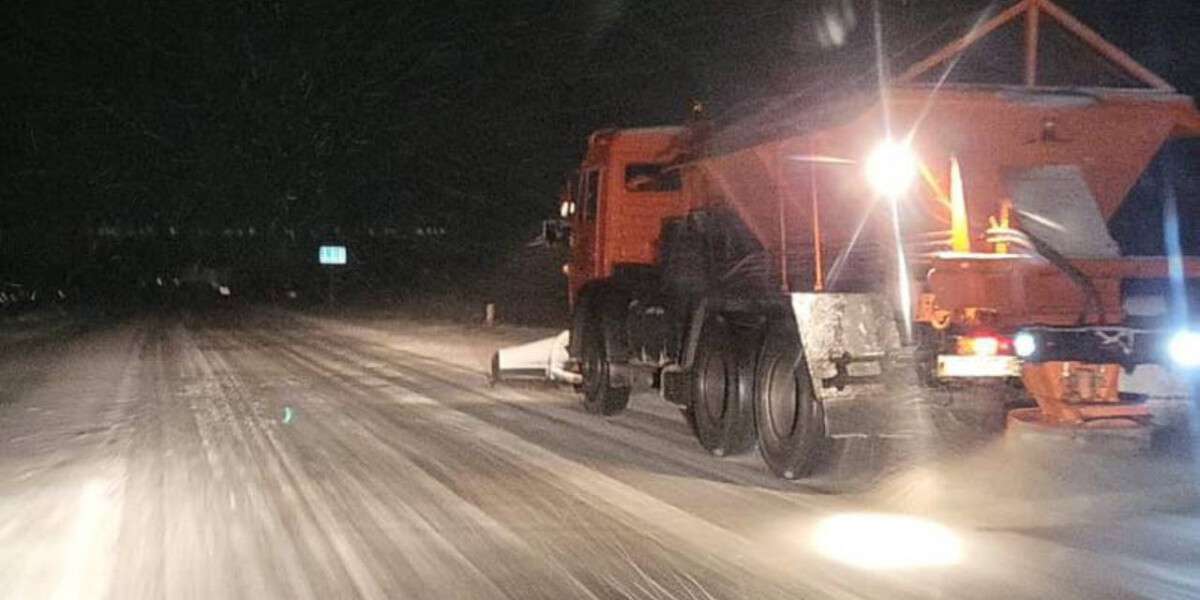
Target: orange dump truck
{"type": "Point", "coordinates": [818, 271]}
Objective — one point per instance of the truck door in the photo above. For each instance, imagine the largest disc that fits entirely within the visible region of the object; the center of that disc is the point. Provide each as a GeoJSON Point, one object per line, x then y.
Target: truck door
{"type": "Point", "coordinates": [585, 236]}
{"type": "Point", "coordinates": [641, 196]}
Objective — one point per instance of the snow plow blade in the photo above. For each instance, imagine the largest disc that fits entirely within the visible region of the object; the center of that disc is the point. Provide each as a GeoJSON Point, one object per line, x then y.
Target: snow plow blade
{"type": "Point", "coordinates": [543, 360]}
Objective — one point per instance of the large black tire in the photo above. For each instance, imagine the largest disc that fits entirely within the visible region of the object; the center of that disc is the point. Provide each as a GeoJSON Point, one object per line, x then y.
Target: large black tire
{"type": "Point", "coordinates": [791, 424]}
{"type": "Point", "coordinates": [599, 396]}
{"type": "Point", "coordinates": [721, 390]}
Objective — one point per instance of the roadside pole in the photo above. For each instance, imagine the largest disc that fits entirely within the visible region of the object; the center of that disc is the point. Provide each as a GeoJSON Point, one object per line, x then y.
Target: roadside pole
{"type": "Point", "coordinates": [332, 258]}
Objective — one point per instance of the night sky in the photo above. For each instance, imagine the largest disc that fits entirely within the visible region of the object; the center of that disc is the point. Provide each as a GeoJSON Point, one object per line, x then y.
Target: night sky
{"type": "Point", "coordinates": [307, 115]}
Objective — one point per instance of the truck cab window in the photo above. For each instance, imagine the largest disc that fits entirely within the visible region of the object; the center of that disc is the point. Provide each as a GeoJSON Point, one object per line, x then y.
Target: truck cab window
{"type": "Point", "coordinates": [648, 177]}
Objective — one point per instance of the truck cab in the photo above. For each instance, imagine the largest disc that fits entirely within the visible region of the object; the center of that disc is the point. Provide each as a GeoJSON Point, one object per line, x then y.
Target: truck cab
{"type": "Point", "coordinates": [617, 201]}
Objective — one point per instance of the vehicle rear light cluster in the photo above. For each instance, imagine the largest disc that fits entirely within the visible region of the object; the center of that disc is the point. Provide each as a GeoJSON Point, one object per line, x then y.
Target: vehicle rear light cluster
{"type": "Point", "coordinates": [984, 345]}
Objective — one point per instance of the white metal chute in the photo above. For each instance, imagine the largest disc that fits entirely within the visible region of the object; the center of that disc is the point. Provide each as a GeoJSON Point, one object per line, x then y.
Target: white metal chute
{"type": "Point", "coordinates": [544, 359]}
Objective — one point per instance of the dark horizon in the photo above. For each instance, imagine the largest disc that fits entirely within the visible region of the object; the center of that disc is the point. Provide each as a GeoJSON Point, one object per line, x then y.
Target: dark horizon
{"type": "Point", "coordinates": [319, 116]}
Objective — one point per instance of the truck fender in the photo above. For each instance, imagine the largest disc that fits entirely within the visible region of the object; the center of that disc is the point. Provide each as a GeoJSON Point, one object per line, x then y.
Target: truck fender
{"type": "Point", "coordinates": [607, 307]}
{"type": "Point", "coordinates": [583, 313]}
{"type": "Point", "coordinates": [692, 337]}
{"type": "Point", "coordinates": [613, 312]}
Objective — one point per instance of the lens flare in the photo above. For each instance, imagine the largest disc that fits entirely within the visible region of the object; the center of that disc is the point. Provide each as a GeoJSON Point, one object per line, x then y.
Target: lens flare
{"type": "Point", "coordinates": [892, 168]}
{"type": "Point", "coordinates": [1184, 349]}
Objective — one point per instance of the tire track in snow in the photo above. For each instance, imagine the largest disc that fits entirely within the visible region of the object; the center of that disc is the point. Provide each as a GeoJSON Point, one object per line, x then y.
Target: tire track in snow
{"type": "Point", "coordinates": [663, 523]}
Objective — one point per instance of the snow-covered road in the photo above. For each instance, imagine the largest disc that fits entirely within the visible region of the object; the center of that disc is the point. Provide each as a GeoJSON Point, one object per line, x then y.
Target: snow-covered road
{"type": "Point", "coordinates": [255, 454]}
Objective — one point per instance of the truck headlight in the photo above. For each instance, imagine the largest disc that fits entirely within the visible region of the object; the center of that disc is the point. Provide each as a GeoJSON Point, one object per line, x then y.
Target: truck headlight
{"type": "Point", "coordinates": [1184, 348]}
{"type": "Point", "coordinates": [891, 168]}
{"type": "Point", "coordinates": [1024, 344]}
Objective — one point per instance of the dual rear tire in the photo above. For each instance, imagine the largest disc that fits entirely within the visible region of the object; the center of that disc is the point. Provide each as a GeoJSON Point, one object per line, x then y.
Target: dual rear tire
{"type": "Point", "coordinates": [791, 424]}
{"type": "Point", "coordinates": [748, 388]}
{"type": "Point", "coordinates": [739, 394]}
{"type": "Point", "coordinates": [721, 410]}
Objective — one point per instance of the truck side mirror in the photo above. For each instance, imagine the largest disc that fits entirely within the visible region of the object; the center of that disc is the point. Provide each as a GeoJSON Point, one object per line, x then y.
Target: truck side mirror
{"type": "Point", "coordinates": [554, 232]}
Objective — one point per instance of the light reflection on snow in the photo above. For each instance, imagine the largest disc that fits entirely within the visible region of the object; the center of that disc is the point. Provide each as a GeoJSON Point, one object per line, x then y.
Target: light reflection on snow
{"type": "Point", "coordinates": [94, 507]}
{"type": "Point", "coordinates": [878, 541]}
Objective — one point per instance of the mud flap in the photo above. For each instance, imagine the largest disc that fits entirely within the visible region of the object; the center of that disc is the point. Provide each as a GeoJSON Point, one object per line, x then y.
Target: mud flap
{"type": "Point", "coordinates": [865, 378]}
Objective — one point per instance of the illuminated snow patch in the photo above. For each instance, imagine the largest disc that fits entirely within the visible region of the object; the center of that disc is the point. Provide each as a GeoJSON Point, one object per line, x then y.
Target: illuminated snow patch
{"type": "Point", "coordinates": [885, 542]}
{"type": "Point", "coordinates": [84, 547]}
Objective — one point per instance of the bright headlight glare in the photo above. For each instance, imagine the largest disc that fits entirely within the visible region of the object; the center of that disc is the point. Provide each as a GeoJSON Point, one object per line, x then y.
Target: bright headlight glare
{"type": "Point", "coordinates": [1184, 349]}
{"type": "Point", "coordinates": [1024, 344]}
{"type": "Point", "coordinates": [891, 168]}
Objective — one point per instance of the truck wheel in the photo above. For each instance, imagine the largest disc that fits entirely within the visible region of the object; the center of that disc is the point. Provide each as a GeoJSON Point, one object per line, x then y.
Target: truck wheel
{"type": "Point", "coordinates": [599, 396]}
{"type": "Point", "coordinates": [791, 424]}
{"type": "Point", "coordinates": [721, 410]}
